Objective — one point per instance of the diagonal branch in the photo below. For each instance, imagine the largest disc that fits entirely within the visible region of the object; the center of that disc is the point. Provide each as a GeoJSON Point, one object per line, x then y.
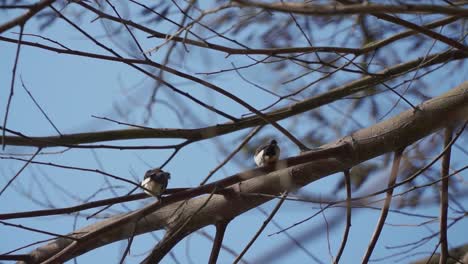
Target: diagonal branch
{"type": "Point", "coordinates": [386, 206]}
{"type": "Point", "coordinates": [21, 20]}
{"type": "Point", "coordinates": [262, 227]}
{"type": "Point", "coordinates": [328, 10]}
{"type": "Point", "coordinates": [229, 127]}
{"type": "Point", "coordinates": [347, 177]}
{"type": "Point", "coordinates": [218, 241]}
{"type": "Point", "coordinates": [444, 197]}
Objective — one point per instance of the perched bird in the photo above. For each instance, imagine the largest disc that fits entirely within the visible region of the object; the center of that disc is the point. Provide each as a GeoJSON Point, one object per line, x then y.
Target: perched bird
{"type": "Point", "coordinates": [156, 180]}
{"type": "Point", "coordinates": [267, 154]}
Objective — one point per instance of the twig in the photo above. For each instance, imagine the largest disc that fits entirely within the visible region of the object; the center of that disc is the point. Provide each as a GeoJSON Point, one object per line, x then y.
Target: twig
{"type": "Point", "coordinates": [37, 230]}
{"type": "Point", "coordinates": [129, 245]}
{"type": "Point", "coordinates": [445, 170]}
{"type": "Point", "coordinates": [12, 85]}
{"type": "Point", "coordinates": [386, 206]}
{"type": "Point", "coordinates": [218, 241]}
{"type": "Point", "coordinates": [229, 157]}
{"type": "Point", "coordinates": [79, 169]}
{"type": "Point", "coordinates": [332, 95]}
{"type": "Point", "coordinates": [260, 230]}
{"type": "Point", "coordinates": [347, 177]}
{"type": "Point", "coordinates": [39, 107]}
{"type": "Point", "coordinates": [20, 170]}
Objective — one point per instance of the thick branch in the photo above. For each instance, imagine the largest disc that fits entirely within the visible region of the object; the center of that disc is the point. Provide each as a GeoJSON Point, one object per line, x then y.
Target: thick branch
{"type": "Point", "coordinates": [387, 136]}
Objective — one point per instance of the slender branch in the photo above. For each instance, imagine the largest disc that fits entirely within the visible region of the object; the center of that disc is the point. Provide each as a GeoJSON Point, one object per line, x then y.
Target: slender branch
{"type": "Point", "coordinates": [327, 10]}
{"type": "Point", "coordinates": [207, 84]}
{"type": "Point", "coordinates": [332, 95]}
{"type": "Point", "coordinates": [425, 31]}
{"type": "Point", "coordinates": [39, 107]}
{"type": "Point", "coordinates": [233, 51]}
{"type": "Point", "coordinates": [129, 245]}
{"type": "Point", "coordinates": [37, 230]}
{"type": "Point", "coordinates": [12, 85]}
{"type": "Point", "coordinates": [27, 162]}
{"type": "Point", "coordinates": [229, 157]}
{"type": "Point", "coordinates": [445, 170]}
{"type": "Point", "coordinates": [421, 29]}
{"type": "Point", "coordinates": [77, 168]}
{"type": "Point", "coordinates": [386, 206]}
{"type": "Point", "coordinates": [218, 241]}
{"type": "Point", "coordinates": [347, 177]}
{"type": "Point", "coordinates": [262, 227]}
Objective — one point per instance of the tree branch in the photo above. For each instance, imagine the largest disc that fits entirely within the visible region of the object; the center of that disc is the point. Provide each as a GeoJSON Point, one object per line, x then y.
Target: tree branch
{"type": "Point", "coordinates": [72, 140]}
{"type": "Point", "coordinates": [386, 206]}
{"type": "Point", "coordinates": [298, 171]}
{"type": "Point", "coordinates": [445, 170]}
{"type": "Point", "coordinates": [218, 241]}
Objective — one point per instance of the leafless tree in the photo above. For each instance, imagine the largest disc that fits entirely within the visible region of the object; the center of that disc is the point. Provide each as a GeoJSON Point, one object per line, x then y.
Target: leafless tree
{"type": "Point", "coordinates": [350, 89]}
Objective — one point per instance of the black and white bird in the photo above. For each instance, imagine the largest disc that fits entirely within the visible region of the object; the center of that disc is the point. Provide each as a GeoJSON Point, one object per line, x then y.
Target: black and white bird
{"type": "Point", "coordinates": [267, 154]}
{"type": "Point", "coordinates": [156, 181]}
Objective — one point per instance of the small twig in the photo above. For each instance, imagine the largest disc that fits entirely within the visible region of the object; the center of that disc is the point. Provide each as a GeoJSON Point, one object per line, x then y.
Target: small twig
{"type": "Point", "coordinates": [74, 209]}
{"type": "Point", "coordinates": [260, 230]}
{"type": "Point", "coordinates": [444, 197]}
{"type": "Point", "coordinates": [39, 107]}
{"type": "Point", "coordinates": [347, 177]}
{"type": "Point", "coordinates": [290, 237]}
{"type": "Point", "coordinates": [218, 241]}
{"type": "Point", "coordinates": [128, 29]}
{"type": "Point", "coordinates": [129, 245]}
{"type": "Point", "coordinates": [327, 229]}
{"type": "Point", "coordinates": [12, 85]}
{"type": "Point", "coordinates": [386, 206]}
{"type": "Point", "coordinates": [78, 169]}
{"type": "Point", "coordinates": [37, 230]}
{"type": "Point", "coordinates": [109, 205]}
{"type": "Point", "coordinates": [19, 172]}
{"type": "Point", "coordinates": [229, 157]}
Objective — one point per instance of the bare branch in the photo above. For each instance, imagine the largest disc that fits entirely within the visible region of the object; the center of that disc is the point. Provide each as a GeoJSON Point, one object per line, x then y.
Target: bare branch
{"type": "Point", "coordinates": [347, 177]}
{"type": "Point", "coordinates": [445, 170]}
{"type": "Point", "coordinates": [366, 8]}
{"type": "Point", "coordinates": [218, 241]}
{"type": "Point", "coordinates": [21, 20]}
{"type": "Point", "coordinates": [262, 227]}
{"type": "Point", "coordinates": [386, 206]}
{"type": "Point", "coordinates": [71, 140]}
{"type": "Point", "coordinates": [12, 85]}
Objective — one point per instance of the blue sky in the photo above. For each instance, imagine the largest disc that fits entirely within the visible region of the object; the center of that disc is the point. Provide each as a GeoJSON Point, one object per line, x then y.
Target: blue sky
{"type": "Point", "coordinates": [72, 89]}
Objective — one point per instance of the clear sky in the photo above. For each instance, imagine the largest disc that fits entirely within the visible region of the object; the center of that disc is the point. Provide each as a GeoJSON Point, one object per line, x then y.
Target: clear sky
{"type": "Point", "coordinates": [71, 90]}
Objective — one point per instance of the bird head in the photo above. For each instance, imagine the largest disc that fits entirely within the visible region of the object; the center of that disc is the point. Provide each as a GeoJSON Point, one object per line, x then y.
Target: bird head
{"type": "Point", "coordinates": [157, 174]}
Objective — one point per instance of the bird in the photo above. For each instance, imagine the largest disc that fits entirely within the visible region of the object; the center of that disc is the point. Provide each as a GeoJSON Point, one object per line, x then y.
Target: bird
{"type": "Point", "coordinates": [155, 182]}
{"type": "Point", "coordinates": [267, 154]}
